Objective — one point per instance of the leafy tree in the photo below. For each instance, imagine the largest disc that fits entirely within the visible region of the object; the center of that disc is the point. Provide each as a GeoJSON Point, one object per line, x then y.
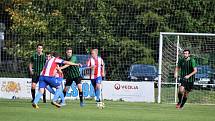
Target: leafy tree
{"type": "Point", "coordinates": [126, 31]}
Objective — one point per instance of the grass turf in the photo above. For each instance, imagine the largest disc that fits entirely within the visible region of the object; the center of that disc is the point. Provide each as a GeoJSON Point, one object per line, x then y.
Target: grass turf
{"type": "Point", "coordinates": [21, 110]}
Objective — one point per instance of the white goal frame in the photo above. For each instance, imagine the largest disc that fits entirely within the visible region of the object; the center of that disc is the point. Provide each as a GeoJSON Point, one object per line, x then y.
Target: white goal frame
{"type": "Point", "coordinates": [161, 52]}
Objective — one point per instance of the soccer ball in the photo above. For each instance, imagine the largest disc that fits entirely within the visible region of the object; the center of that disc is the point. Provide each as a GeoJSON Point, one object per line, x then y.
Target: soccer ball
{"type": "Point", "coordinates": [14, 97]}
{"type": "Point", "coordinates": [100, 105]}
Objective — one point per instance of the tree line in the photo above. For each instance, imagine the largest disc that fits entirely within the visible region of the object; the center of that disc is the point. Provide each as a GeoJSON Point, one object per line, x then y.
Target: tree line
{"type": "Point", "coordinates": [125, 31]}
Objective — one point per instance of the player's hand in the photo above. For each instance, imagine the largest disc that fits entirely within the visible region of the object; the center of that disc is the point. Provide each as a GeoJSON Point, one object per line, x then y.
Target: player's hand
{"type": "Point", "coordinates": [80, 64]}
{"type": "Point", "coordinates": [187, 77]}
{"type": "Point", "coordinates": [59, 70]}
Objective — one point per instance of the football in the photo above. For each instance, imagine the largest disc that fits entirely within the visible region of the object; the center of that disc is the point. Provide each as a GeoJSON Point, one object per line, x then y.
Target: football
{"type": "Point", "coordinates": [100, 105]}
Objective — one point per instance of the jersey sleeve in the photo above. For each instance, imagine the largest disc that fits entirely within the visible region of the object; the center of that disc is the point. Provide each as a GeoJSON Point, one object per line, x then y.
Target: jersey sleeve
{"type": "Point", "coordinates": [32, 59]}
{"type": "Point", "coordinates": [73, 59]}
{"type": "Point", "coordinates": [58, 60]}
{"type": "Point", "coordinates": [193, 63]}
{"type": "Point", "coordinates": [179, 63]}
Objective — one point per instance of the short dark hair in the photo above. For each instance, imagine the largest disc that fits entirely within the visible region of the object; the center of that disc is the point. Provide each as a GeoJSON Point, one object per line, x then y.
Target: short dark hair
{"type": "Point", "coordinates": [39, 45]}
{"type": "Point", "coordinates": [48, 53]}
{"type": "Point", "coordinates": [186, 50]}
{"type": "Point", "coordinates": [68, 48]}
{"type": "Point", "coordinates": [55, 54]}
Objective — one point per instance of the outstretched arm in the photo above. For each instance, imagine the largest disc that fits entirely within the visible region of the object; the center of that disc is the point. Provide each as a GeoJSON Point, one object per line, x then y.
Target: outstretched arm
{"type": "Point", "coordinates": [71, 63]}
{"type": "Point", "coordinates": [63, 67]}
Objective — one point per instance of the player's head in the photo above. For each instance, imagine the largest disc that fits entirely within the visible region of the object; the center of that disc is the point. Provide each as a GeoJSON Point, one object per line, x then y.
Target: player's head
{"type": "Point", "coordinates": [55, 54]}
{"type": "Point", "coordinates": [39, 48]}
{"type": "Point", "coordinates": [48, 55]}
{"type": "Point", "coordinates": [186, 53]}
{"type": "Point", "coordinates": [94, 53]}
{"type": "Point", "coordinates": [68, 51]}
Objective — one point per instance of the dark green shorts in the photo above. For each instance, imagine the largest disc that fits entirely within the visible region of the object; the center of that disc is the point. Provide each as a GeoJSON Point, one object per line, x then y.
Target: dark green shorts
{"type": "Point", "coordinates": [187, 84]}
{"type": "Point", "coordinates": [35, 78]}
{"type": "Point", "coordinates": [77, 80]}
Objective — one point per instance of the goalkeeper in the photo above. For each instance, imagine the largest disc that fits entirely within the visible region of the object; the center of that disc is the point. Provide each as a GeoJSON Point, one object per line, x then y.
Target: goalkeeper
{"type": "Point", "coordinates": [187, 67]}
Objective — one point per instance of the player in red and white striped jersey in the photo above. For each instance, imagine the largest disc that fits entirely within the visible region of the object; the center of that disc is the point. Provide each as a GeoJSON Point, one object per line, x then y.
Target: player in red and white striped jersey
{"type": "Point", "coordinates": [47, 77]}
{"type": "Point", "coordinates": [96, 64]}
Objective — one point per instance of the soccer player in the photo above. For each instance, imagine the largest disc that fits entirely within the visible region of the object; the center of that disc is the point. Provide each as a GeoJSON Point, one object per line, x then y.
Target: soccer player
{"type": "Point", "coordinates": [47, 77]}
{"type": "Point", "coordinates": [187, 67]}
{"type": "Point", "coordinates": [72, 73]}
{"type": "Point", "coordinates": [36, 64]}
{"type": "Point", "coordinates": [97, 71]}
{"type": "Point", "coordinates": [59, 78]}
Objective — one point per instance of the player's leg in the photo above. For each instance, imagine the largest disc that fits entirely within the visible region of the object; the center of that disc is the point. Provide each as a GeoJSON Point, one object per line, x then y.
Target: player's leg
{"type": "Point", "coordinates": [62, 103]}
{"type": "Point", "coordinates": [42, 85]}
{"type": "Point", "coordinates": [67, 86]}
{"type": "Point", "coordinates": [78, 82]}
{"type": "Point", "coordinates": [188, 89]}
{"type": "Point", "coordinates": [53, 83]}
{"type": "Point", "coordinates": [98, 89]}
{"type": "Point", "coordinates": [184, 99]}
{"type": "Point", "coordinates": [44, 96]}
{"type": "Point", "coordinates": [50, 89]}
{"type": "Point", "coordinates": [38, 95]}
{"type": "Point", "coordinates": [35, 80]}
{"type": "Point", "coordinates": [180, 96]}
{"type": "Point", "coordinates": [56, 96]}
{"type": "Point", "coordinates": [181, 92]}
{"type": "Point", "coordinates": [44, 93]}
{"type": "Point", "coordinates": [33, 86]}
{"type": "Point", "coordinates": [93, 82]}
{"type": "Point", "coordinates": [99, 100]}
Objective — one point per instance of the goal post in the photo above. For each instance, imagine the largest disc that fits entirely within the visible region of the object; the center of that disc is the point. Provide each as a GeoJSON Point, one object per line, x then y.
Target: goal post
{"type": "Point", "coordinates": [171, 45]}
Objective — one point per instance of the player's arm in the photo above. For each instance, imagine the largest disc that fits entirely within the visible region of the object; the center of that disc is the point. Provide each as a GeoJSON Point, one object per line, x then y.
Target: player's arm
{"type": "Point", "coordinates": [63, 67]}
{"type": "Point", "coordinates": [72, 60]}
{"type": "Point", "coordinates": [60, 61]}
{"type": "Point", "coordinates": [177, 68]}
{"type": "Point", "coordinates": [59, 69]}
{"type": "Point", "coordinates": [30, 66]}
{"type": "Point", "coordinates": [176, 71]}
{"type": "Point", "coordinates": [103, 69]}
{"type": "Point", "coordinates": [71, 63]}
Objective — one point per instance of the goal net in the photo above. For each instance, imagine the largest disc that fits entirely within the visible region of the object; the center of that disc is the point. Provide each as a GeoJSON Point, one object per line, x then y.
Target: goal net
{"type": "Point", "coordinates": [202, 47]}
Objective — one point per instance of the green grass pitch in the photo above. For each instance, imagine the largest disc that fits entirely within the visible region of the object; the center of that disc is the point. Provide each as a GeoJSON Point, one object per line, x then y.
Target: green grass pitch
{"type": "Point", "coordinates": [21, 110]}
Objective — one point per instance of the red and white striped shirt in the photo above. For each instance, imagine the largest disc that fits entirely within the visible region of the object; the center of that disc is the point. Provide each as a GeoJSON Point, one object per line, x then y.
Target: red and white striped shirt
{"type": "Point", "coordinates": [58, 74]}
{"type": "Point", "coordinates": [97, 64]}
{"type": "Point", "coordinates": [50, 67]}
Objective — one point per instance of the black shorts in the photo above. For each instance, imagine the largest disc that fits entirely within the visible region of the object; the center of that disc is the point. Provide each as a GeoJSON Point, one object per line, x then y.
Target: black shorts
{"type": "Point", "coordinates": [77, 80]}
{"type": "Point", "coordinates": [188, 86]}
{"type": "Point", "coordinates": [35, 78]}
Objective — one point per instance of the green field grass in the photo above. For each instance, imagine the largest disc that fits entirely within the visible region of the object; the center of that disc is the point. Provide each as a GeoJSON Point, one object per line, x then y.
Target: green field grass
{"type": "Point", "coordinates": [21, 110]}
{"type": "Point", "coordinates": [198, 96]}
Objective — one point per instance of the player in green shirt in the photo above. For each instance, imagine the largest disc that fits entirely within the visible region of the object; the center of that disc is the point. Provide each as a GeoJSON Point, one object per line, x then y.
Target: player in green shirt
{"type": "Point", "coordinates": [187, 67]}
{"type": "Point", "coordinates": [72, 73]}
{"type": "Point", "coordinates": [36, 64]}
